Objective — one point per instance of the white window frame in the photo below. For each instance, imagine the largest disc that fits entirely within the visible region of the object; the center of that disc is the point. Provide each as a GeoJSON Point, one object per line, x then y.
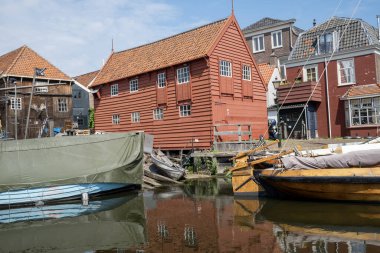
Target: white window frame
{"type": "Point", "coordinates": [225, 68]}
{"type": "Point", "coordinates": [246, 72]}
{"type": "Point", "coordinates": [115, 119]}
{"type": "Point", "coordinates": [276, 38]}
{"type": "Point", "coordinates": [363, 112]}
{"type": "Point", "coordinates": [185, 110]}
{"type": "Point", "coordinates": [258, 37]}
{"type": "Point", "coordinates": [41, 89]}
{"type": "Point", "coordinates": [134, 85]}
{"type": "Point", "coordinates": [135, 117]}
{"type": "Point", "coordinates": [62, 105]}
{"type": "Point", "coordinates": [114, 90]}
{"type": "Point", "coordinates": [183, 75]}
{"type": "Point", "coordinates": [161, 80]}
{"type": "Point", "coordinates": [158, 113]}
{"type": "Point", "coordinates": [335, 42]}
{"type": "Point", "coordinates": [16, 105]}
{"type": "Point", "coordinates": [352, 69]}
{"type": "Point", "coordinates": [305, 73]}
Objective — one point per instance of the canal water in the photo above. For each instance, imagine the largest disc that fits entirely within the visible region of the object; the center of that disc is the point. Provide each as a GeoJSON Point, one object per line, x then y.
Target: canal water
{"type": "Point", "coordinates": [199, 216]}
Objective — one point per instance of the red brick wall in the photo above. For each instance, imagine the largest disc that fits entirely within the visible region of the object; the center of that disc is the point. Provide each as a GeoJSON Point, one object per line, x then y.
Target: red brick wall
{"type": "Point", "coordinates": [365, 73]}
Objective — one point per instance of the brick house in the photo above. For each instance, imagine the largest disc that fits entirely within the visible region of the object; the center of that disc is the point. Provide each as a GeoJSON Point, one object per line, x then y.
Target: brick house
{"type": "Point", "coordinates": [340, 61]}
{"type": "Point", "coordinates": [183, 87]}
{"type": "Point", "coordinates": [271, 41]}
{"type": "Point", "coordinates": [51, 103]}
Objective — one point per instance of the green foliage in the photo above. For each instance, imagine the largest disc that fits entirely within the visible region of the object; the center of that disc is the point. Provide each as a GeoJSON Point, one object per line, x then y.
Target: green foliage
{"type": "Point", "coordinates": [204, 164]}
{"type": "Point", "coordinates": [91, 115]}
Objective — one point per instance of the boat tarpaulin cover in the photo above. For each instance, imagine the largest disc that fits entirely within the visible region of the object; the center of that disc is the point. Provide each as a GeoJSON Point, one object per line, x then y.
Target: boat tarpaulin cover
{"type": "Point", "coordinates": [364, 158]}
{"type": "Point", "coordinates": [105, 158]}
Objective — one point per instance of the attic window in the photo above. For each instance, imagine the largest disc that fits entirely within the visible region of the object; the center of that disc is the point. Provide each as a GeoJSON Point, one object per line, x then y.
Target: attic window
{"type": "Point", "coordinates": [183, 75]}
{"type": "Point", "coordinates": [328, 42]}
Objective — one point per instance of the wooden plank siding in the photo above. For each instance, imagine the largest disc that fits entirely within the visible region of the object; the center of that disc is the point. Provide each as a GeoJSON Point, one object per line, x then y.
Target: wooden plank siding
{"type": "Point", "coordinates": [246, 103]}
{"type": "Point", "coordinates": [173, 132]}
{"type": "Point", "coordinates": [211, 101]}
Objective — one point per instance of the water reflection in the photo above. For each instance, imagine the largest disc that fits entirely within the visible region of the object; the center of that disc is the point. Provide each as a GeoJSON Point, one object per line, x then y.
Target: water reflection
{"type": "Point", "coordinates": [199, 216]}
{"type": "Point", "coordinates": [122, 227]}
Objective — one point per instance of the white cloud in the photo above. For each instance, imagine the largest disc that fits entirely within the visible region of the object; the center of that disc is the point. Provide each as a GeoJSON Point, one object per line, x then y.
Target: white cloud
{"type": "Point", "coordinates": [76, 35]}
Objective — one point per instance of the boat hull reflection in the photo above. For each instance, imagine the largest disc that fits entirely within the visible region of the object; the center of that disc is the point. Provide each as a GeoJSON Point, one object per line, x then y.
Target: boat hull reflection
{"type": "Point", "coordinates": [105, 224]}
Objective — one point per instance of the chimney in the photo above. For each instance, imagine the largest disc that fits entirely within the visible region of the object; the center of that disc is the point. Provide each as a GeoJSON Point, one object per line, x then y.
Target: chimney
{"type": "Point", "coordinates": [314, 22]}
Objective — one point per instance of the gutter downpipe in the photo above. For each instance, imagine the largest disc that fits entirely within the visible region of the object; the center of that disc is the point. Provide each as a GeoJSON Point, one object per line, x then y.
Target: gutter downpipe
{"type": "Point", "coordinates": [328, 98]}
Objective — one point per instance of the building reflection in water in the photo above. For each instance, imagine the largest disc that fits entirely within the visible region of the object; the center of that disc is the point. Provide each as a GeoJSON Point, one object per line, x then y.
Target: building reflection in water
{"type": "Point", "coordinates": [201, 216]}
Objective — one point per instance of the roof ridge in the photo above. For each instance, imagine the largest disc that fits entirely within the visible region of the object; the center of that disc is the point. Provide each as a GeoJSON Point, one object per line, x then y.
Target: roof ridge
{"type": "Point", "coordinates": [16, 58]}
{"type": "Point", "coordinates": [86, 73]}
{"type": "Point", "coordinates": [172, 36]}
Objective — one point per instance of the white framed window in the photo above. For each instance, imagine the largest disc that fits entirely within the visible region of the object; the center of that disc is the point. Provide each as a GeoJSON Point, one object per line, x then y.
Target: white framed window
{"type": "Point", "coordinates": [246, 72]}
{"type": "Point", "coordinates": [328, 42]}
{"type": "Point", "coordinates": [346, 72]}
{"type": "Point", "coordinates": [16, 104]}
{"type": "Point", "coordinates": [184, 110]}
{"type": "Point", "coordinates": [183, 75]}
{"type": "Point", "coordinates": [135, 117]}
{"type": "Point", "coordinates": [43, 89]}
{"type": "Point", "coordinates": [225, 68]}
{"type": "Point", "coordinates": [310, 73]}
{"type": "Point", "coordinates": [363, 111]}
{"type": "Point", "coordinates": [62, 105]}
{"type": "Point", "coordinates": [158, 114]}
{"type": "Point", "coordinates": [114, 89]}
{"type": "Point", "coordinates": [276, 39]}
{"type": "Point", "coordinates": [258, 44]}
{"type": "Point", "coordinates": [115, 119]}
{"type": "Point", "coordinates": [161, 80]}
{"type": "Point", "coordinates": [134, 85]}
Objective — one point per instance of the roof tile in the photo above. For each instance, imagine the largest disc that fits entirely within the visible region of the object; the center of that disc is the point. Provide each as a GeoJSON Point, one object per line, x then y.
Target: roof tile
{"type": "Point", "coordinates": [266, 71]}
{"type": "Point", "coordinates": [22, 61]}
{"type": "Point", "coordinates": [362, 91]}
{"type": "Point", "coordinates": [180, 48]}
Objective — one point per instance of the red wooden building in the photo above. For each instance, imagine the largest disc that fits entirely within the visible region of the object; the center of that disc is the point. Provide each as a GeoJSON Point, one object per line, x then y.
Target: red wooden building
{"type": "Point", "coordinates": [181, 87]}
{"type": "Point", "coordinates": [340, 61]}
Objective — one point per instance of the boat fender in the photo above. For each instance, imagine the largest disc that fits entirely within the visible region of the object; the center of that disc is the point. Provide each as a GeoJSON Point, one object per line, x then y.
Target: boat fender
{"type": "Point", "coordinates": [39, 203]}
{"type": "Point", "coordinates": [85, 198]}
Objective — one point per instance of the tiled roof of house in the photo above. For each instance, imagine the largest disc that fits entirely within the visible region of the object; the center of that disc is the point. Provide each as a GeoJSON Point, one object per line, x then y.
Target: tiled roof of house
{"type": "Point", "coordinates": [180, 48]}
{"type": "Point", "coordinates": [22, 61]}
{"type": "Point", "coordinates": [354, 33]}
{"type": "Point", "coordinates": [269, 22]}
{"type": "Point", "coordinates": [87, 78]}
{"type": "Point", "coordinates": [362, 91]}
{"type": "Point", "coordinates": [266, 71]}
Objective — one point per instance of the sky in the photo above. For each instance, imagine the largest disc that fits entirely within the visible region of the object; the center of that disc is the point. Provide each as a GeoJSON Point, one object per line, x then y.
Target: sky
{"type": "Point", "coordinates": [76, 35]}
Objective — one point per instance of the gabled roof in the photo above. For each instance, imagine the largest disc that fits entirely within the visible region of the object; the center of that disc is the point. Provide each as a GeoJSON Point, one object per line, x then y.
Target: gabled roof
{"type": "Point", "coordinates": [358, 91]}
{"type": "Point", "coordinates": [177, 49]}
{"type": "Point", "coordinates": [266, 23]}
{"type": "Point", "coordinates": [22, 61]}
{"type": "Point", "coordinates": [354, 33]}
{"type": "Point", "coordinates": [87, 78]}
{"type": "Point", "coordinates": [266, 71]}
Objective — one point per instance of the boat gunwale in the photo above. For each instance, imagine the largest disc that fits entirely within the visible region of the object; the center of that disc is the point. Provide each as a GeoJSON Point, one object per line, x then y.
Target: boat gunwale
{"type": "Point", "coordinates": [322, 179]}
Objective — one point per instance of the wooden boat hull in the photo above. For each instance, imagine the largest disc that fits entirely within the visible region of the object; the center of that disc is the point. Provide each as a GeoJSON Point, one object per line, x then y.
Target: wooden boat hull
{"type": "Point", "coordinates": [169, 171]}
{"type": "Point", "coordinates": [350, 184]}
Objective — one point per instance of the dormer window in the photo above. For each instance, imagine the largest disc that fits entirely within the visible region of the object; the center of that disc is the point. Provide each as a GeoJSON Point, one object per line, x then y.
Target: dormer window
{"type": "Point", "coordinates": [258, 43]}
{"type": "Point", "coordinates": [328, 42]}
{"type": "Point", "coordinates": [276, 39]}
